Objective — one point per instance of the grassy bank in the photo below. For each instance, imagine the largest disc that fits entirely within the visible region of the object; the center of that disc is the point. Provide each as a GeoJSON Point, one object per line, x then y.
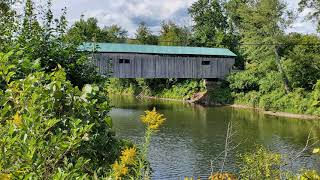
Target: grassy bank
{"type": "Point", "coordinates": [181, 89]}
{"type": "Point", "coordinates": [269, 94]}
{"type": "Point", "coordinates": [299, 101]}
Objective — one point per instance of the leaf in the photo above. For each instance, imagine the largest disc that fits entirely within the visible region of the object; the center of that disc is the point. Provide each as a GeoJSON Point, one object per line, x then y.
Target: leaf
{"type": "Point", "coordinates": [108, 120]}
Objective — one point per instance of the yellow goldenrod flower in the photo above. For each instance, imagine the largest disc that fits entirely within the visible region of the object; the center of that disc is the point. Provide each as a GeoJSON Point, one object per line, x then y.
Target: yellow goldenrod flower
{"type": "Point", "coordinates": [317, 150]}
{"type": "Point", "coordinates": [17, 120]}
{"type": "Point", "coordinates": [5, 176]}
{"type": "Point", "coordinates": [119, 169]}
{"type": "Point", "coordinates": [223, 176]}
{"type": "Point", "coordinates": [128, 156]}
{"type": "Point", "coordinates": [153, 119]}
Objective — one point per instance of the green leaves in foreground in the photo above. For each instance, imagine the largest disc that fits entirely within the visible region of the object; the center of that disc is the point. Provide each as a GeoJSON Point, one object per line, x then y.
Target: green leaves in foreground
{"type": "Point", "coordinates": [50, 129]}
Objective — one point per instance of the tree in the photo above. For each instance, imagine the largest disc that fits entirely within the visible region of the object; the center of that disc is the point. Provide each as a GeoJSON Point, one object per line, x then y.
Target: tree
{"type": "Point", "coordinates": [313, 4]}
{"type": "Point", "coordinates": [215, 25]}
{"type": "Point", "coordinates": [114, 34]}
{"type": "Point", "coordinates": [211, 25]}
{"type": "Point", "coordinates": [264, 22]}
{"type": "Point", "coordinates": [88, 30]}
{"type": "Point", "coordinates": [302, 62]}
{"type": "Point", "coordinates": [173, 35]}
{"type": "Point", "coordinates": [7, 22]}
{"type": "Point", "coordinates": [145, 36]}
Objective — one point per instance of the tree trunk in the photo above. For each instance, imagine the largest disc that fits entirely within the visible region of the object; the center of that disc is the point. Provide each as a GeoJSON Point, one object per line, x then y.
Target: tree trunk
{"type": "Point", "coordinates": [281, 71]}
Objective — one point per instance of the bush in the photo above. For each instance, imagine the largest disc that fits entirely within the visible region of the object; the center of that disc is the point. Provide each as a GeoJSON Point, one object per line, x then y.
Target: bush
{"type": "Point", "coordinates": [51, 129]}
{"type": "Point", "coordinates": [121, 86]}
{"type": "Point", "coordinates": [244, 81]}
{"type": "Point", "coordinates": [163, 88]}
{"type": "Point", "coordinates": [221, 94]}
{"type": "Point", "coordinates": [262, 164]}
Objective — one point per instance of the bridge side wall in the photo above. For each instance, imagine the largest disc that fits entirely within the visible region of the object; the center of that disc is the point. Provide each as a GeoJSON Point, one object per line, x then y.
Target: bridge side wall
{"type": "Point", "coordinates": [161, 66]}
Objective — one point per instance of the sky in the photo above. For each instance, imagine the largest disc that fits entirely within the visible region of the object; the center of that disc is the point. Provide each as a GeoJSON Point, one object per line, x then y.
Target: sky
{"type": "Point", "coordinates": [129, 13]}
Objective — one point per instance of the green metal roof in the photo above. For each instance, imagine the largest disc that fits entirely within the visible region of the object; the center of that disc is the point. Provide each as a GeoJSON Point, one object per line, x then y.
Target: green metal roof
{"type": "Point", "coordinates": [152, 49]}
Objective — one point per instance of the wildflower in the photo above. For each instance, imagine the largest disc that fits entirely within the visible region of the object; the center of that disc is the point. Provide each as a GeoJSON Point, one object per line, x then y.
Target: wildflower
{"type": "Point", "coordinates": [317, 150]}
{"type": "Point", "coordinates": [17, 120]}
{"type": "Point", "coordinates": [128, 156]}
{"type": "Point", "coordinates": [86, 137]}
{"type": "Point", "coordinates": [119, 169]}
{"type": "Point", "coordinates": [153, 119]}
{"type": "Point", "coordinates": [5, 176]}
{"type": "Point", "coordinates": [223, 176]}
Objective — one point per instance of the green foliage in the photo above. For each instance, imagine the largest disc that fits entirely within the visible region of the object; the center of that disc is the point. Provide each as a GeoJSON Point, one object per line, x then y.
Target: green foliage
{"type": "Point", "coordinates": [214, 26]}
{"type": "Point", "coordinates": [173, 35]}
{"type": "Point", "coordinates": [51, 129]}
{"type": "Point", "coordinates": [144, 35]}
{"type": "Point", "coordinates": [122, 86]}
{"type": "Point", "coordinates": [276, 78]}
{"type": "Point", "coordinates": [89, 31]}
{"type": "Point", "coordinates": [47, 44]}
{"type": "Point", "coordinates": [221, 94]}
{"type": "Point", "coordinates": [115, 34]}
{"type": "Point", "coordinates": [182, 90]}
{"type": "Point", "coordinates": [308, 175]}
{"type": "Point", "coordinates": [211, 25]}
{"type": "Point", "coordinates": [302, 63]}
{"type": "Point", "coordinates": [262, 164]}
{"type": "Point", "coordinates": [244, 81]}
{"type": "Point", "coordinates": [7, 22]}
{"type": "Point", "coordinates": [315, 100]}
{"type": "Point", "coordinates": [162, 88]}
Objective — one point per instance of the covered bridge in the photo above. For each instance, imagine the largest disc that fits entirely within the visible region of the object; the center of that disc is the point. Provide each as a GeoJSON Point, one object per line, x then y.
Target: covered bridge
{"type": "Point", "coordinates": [149, 61]}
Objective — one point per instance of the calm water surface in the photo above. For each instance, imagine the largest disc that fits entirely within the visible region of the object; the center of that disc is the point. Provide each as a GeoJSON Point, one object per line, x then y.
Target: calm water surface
{"type": "Point", "coordinates": [193, 135]}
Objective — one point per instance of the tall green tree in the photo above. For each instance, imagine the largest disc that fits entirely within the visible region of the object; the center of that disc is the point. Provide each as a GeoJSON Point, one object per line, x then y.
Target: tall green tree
{"type": "Point", "coordinates": [211, 25]}
{"type": "Point", "coordinates": [262, 25]}
{"type": "Point", "coordinates": [47, 45]}
{"type": "Point", "coordinates": [145, 36]}
{"type": "Point", "coordinates": [114, 34]}
{"type": "Point", "coordinates": [315, 6]}
{"type": "Point", "coordinates": [302, 61]}
{"type": "Point", "coordinates": [173, 35]}
{"type": "Point", "coordinates": [215, 25]}
{"type": "Point", "coordinates": [7, 22]}
{"type": "Point", "coordinates": [89, 31]}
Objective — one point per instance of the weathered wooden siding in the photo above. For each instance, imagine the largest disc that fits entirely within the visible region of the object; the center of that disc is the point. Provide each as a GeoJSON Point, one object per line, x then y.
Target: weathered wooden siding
{"type": "Point", "coordinates": [161, 66]}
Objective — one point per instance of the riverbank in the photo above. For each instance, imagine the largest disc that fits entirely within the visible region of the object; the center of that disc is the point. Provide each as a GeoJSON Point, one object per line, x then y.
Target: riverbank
{"type": "Point", "coordinates": [297, 104]}
{"type": "Point", "coordinates": [239, 106]}
{"type": "Point", "coordinates": [279, 114]}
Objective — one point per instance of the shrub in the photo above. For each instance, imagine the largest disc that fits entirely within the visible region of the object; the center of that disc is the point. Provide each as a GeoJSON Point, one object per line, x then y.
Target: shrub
{"type": "Point", "coordinates": [51, 129]}
{"type": "Point", "coordinates": [262, 164]}
{"type": "Point", "coordinates": [244, 81]}
{"type": "Point", "coordinates": [221, 94]}
{"type": "Point", "coordinates": [315, 100]}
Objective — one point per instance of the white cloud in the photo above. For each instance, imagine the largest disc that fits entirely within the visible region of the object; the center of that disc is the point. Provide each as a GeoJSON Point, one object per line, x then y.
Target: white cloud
{"type": "Point", "coordinates": [301, 25]}
{"type": "Point", "coordinates": [128, 13]}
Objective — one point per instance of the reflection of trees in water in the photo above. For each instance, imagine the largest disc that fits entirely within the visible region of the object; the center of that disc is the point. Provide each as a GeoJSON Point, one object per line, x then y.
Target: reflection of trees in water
{"type": "Point", "coordinates": [199, 132]}
{"type": "Point", "coordinates": [259, 127]}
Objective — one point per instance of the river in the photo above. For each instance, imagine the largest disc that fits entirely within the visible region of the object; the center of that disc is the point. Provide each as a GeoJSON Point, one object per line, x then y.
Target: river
{"type": "Point", "coordinates": [194, 135]}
